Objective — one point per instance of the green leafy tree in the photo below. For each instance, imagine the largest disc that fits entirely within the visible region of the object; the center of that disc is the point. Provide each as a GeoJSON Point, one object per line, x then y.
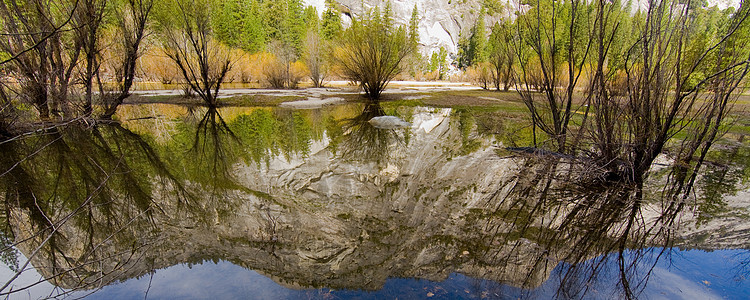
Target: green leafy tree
{"type": "Point", "coordinates": [372, 52]}
{"type": "Point", "coordinates": [439, 63]}
{"type": "Point", "coordinates": [294, 26]}
{"type": "Point", "coordinates": [500, 55]}
{"type": "Point", "coordinates": [229, 22]}
{"type": "Point", "coordinates": [285, 22]}
{"type": "Point", "coordinates": [311, 18]}
{"type": "Point", "coordinates": [254, 29]}
{"type": "Point", "coordinates": [273, 13]}
{"type": "Point", "coordinates": [240, 24]}
{"type": "Point", "coordinates": [414, 29]}
{"type": "Point", "coordinates": [474, 49]}
{"type": "Point", "coordinates": [415, 61]}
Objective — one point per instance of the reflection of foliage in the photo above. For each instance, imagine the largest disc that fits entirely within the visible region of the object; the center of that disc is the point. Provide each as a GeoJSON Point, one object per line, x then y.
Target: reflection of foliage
{"type": "Point", "coordinates": [211, 151]}
{"type": "Point", "coordinates": [576, 224]}
{"type": "Point", "coordinates": [265, 134]}
{"type": "Point", "coordinates": [72, 165]}
{"type": "Point", "coordinates": [507, 127]}
{"type": "Point", "coordinates": [466, 124]}
{"type": "Point", "coordinates": [256, 137]}
{"type": "Point", "coordinates": [537, 219]}
{"type": "Point", "coordinates": [8, 254]}
{"type": "Point", "coordinates": [362, 141]}
{"type": "Point", "coordinates": [722, 179]}
{"type": "Point", "coordinates": [297, 134]}
{"type": "Point", "coordinates": [100, 180]}
{"type": "Point", "coordinates": [335, 132]}
{"type": "Point", "coordinates": [260, 135]}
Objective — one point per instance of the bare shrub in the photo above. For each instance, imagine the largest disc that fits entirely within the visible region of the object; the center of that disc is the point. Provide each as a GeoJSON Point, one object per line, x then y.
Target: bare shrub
{"type": "Point", "coordinates": [202, 60]}
{"type": "Point", "coordinates": [372, 51]}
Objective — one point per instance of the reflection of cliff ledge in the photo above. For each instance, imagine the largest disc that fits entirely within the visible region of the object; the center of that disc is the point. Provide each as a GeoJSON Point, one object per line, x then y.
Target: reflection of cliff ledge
{"type": "Point", "coordinates": [419, 210]}
{"type": "Point", "coordinates": [323, 222]}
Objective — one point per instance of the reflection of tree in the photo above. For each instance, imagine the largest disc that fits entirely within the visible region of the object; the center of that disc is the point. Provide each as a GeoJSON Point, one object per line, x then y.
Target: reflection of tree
{"type": "Point", "coordinates": [265, 134]}
{"type": "Point", "coordinates": [722, 178]}
{"type": "Point", "coordinates": [586, 227]}
{"type": "Point", "coordinates": [361, 141]}
{"type": "Point", "coordinates": [260, 136]}
{"type": "Point", "coordinates": [215, 146]}
{"type": "Point", "coordinates": [99, 180]}
{"type": "Point", "coordinates": [297, 133]}
{"type": "Point", "coordinates": [212, 150]}
{"type": "Point", "coordinates": [87, 205]}
{"type": "Point", "coordinates": [421, 226]}
{"type": "Point", "coordinates": [466, 122]}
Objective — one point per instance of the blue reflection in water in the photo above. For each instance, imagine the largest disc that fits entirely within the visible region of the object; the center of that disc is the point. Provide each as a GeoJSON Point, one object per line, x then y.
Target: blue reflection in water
{"type": "Point", "coordinates": [691, 274]}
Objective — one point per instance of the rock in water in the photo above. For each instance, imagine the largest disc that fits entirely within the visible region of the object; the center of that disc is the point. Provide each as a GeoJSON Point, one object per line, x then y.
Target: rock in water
{"type": "Point", "coordinates": [388, 122]}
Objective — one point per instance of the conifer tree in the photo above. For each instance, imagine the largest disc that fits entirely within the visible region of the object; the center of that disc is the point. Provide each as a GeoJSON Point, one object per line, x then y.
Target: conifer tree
{"type": "Point", "coordinates": [330, 24]}
{"type": "Point", "coordinates": [414, 28]}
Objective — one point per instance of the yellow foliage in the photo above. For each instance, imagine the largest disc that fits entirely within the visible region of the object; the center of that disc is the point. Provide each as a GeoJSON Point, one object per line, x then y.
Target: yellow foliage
{"type": "Point", "coordinates": [155, 66]}
{"type": "Point", "coordinates": [241, 71]}
{"type": "Point", "coordinates": [277, 73]}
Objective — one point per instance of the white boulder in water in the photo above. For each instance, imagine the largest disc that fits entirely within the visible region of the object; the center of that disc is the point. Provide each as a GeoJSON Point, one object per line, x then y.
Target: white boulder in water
{"type": "Point", "coordinates": [388, 122]}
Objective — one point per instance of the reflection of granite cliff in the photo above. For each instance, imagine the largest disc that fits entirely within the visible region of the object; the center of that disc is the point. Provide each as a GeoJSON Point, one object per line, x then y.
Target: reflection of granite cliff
{"type": "Point", "coordinates": [319, 221]}
{"type": "Point", "coordinates": [326, 219]}
{"type": "Point", "coordinates": [727, 230]}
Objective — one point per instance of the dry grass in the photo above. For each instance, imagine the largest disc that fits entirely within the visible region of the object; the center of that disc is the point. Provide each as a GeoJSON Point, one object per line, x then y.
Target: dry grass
{"type": "Point", "coordinates": [474, 98]}
{"type": "Point", "coordinates": [243, 100]}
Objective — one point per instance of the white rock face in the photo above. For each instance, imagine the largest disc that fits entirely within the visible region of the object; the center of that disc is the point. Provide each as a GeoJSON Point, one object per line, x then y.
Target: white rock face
{"type": "Point", "coordinates": [441, 22]}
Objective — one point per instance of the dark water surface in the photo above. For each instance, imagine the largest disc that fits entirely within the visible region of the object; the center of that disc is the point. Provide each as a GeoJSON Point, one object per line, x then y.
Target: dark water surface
{"type": "Point", "coordinates": [267, 203]}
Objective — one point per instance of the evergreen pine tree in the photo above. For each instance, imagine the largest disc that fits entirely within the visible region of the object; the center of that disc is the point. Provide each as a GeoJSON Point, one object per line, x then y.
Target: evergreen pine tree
{"type": "Point", "coordinates": [330, 27]}
{"type": "Point", "coordinates": [414, 29]}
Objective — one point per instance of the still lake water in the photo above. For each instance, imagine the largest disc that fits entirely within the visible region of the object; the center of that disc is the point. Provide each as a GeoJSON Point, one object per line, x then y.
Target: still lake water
{"type": "Point", "coordinates": [269, 203]}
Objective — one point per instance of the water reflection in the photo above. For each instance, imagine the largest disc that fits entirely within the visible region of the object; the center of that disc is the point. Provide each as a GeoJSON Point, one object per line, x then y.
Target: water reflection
{"type": "Point", "coordinates": [322, 199]}
{"type": "Point", "coordinates": [363, 142]}
{"type": "Point", "coordinates": [211, 149]}
{"type": "Point", "coordinates": [77, 201]}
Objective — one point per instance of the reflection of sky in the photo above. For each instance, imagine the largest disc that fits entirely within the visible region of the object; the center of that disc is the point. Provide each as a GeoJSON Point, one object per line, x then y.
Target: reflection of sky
{"type": "Point", "coordinates": [690, 274]}
{"type": "Point", "coordinates": [205, 281]}
{"type": "Point", "coordinates": [30, 276]}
